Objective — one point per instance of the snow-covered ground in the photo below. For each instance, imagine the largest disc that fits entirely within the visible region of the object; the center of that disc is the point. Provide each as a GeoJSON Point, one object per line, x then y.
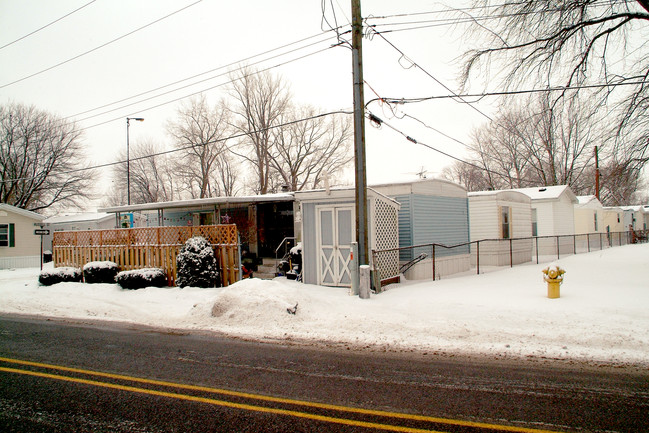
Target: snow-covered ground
{"type": "Point", "coordinates": [601, 317]}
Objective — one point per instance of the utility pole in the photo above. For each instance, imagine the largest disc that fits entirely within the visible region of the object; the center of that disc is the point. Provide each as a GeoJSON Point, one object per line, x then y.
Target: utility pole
{"type": "Point", "coordinates": [359, 135]}
{"type": "Point", "coordinates": [596, 174]}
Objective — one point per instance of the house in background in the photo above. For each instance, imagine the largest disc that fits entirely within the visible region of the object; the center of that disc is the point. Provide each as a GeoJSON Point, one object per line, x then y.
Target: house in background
{"type": "Point", "coordinates": [19, 246]}
{"type": "Point", "coordinates": [634, 218]}
{"type": "Point", "coordinates": [614, 219]}
{"type": "Point", "coordinates": [589, 215]}
{"type": "Point", "coordinates": [553, 215]}
{"type": "Point", "coordinates": [77, 221]}
{"type": "Point", "coordinates": [328, 228]}
{"type": "Point", "coordinates": [432, 211]}
{"type": "Point", "coordinates": [499, 216]}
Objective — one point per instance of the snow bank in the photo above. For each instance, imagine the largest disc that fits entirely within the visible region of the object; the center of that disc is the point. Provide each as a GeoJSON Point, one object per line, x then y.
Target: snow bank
{"type": "Point", "coordinates": [600, 317]}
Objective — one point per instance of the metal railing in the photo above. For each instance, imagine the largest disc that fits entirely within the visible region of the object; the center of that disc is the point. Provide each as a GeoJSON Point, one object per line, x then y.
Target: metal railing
{"type": "Point", "coordinates": [514, 251]}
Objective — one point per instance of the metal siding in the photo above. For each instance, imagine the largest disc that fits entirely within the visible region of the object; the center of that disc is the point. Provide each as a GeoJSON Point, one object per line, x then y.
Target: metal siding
{"type": "Point", "coordinates": [443, 220]}
{"type": "Point", "coordinates": [309, 244]}
{"type": "Point", "coordinates": [405, 225]}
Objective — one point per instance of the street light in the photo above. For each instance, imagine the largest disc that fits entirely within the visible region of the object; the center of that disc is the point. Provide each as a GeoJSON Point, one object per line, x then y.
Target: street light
{"type": "Point", "coordinates": [128, 158]}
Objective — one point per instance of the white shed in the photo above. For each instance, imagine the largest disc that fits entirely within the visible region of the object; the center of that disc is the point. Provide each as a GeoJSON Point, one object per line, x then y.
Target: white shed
{"type": "Point", "coordinates": [76, 222]}
{"type": "Point", "coordinates": [329, 227]}
{"type": "Point", "coordinates": [496, 216]}
{"type": "Point", "coordinates": [589, 215]}
{"type": "Point", "coordinates": [634, 217]}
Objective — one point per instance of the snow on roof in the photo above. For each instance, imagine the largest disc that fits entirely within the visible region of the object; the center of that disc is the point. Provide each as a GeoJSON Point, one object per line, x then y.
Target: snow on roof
{"type": "Point", "coordinates": [77, 217]}
{"type": "Point", "coordinates": [19, 211]}
{"type": "Point", "coordinates": [547, 192]}
{"type": "Point", "coordinates": [261, 198]}
{"type": "Point", "coordinates": [635, 208]}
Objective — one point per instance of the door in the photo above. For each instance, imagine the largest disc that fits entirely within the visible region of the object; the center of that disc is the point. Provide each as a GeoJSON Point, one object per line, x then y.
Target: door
{"type": "Point", "coordinates": [335, 236]}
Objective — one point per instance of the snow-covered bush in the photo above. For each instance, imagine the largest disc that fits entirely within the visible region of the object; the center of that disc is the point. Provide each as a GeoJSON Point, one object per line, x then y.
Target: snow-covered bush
{"type": "Point", "coordinates": [100, 272]}
{"type": "Point", "coordinates": [141, 278]}
{"type": "Point", "coordinates": [59, 275]}
{"type": "Point", "coordinates": [196, 264]}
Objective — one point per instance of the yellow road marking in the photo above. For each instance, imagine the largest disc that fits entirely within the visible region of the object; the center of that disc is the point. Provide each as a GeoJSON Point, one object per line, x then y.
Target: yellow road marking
{"type": "Point", "coordinates": [447, 421]}
{"type": "Point", "coordinates": [215, 402]}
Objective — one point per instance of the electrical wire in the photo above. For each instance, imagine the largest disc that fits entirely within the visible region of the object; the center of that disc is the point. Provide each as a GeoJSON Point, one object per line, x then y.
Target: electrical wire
{"type": "Point", "coordinates": [98, 47]}
{"type": "Point", "coordinates": [47, 25]}
{"type": "Point", "coordinates": [166, 152]}
{"type": "Point", "coordinates": [238, 62]}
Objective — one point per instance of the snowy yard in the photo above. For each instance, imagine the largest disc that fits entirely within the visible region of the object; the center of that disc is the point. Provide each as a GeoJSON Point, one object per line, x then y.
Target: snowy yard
{"type": "Point", "coordinates": [602, 315]}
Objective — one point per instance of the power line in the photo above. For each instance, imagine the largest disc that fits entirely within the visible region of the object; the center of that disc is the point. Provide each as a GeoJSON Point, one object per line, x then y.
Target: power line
{"type": "Point", "coordinates": [98, 47]}
{"type": "Point", "coordinates": [207, 72]}
{"type": "Point", "coordinates": [201, 91]}
{"type": "Point", "coordinates": [166, 152]}
{"type": "Point", "coordinates": [403, 55]}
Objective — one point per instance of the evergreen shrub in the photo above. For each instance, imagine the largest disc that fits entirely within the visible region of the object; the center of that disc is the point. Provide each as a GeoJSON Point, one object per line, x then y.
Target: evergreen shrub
{"type": "Point", "coordinates": [196, 264]}
{"type": "Point", "coordinates": [100, 272]}
{"type": "Point", "coordinates": [60, 275]}
{"type": "Point", "coordinates": [141, 278]}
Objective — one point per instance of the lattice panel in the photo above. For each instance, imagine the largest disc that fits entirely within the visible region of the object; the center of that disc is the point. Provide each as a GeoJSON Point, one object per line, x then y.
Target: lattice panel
{"type": "Point", "coordinates": [386, 220]}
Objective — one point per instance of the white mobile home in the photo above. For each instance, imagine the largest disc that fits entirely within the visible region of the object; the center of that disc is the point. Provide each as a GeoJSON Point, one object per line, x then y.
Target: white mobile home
{"type": "Point", "coordinates": [634, 217]}
{"type": "Point", "coordinates": [19, 246]}
{"type": "Point", "coordinates": [614, 219]}
{"type": "Point", "coordinates": [432, 211]}
{"type": "Point", "coordinates": [499, 217]}
{"type": "Point", "coordinates": [76, 222]}
{"type": "Point", "coordinates": [589, 215]}
{"type": "Point", "coordinates": [553, 215]}
{"type": "Point", "coordinates": [329, 228]}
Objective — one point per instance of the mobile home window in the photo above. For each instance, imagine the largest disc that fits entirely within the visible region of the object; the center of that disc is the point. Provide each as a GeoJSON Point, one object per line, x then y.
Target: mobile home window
{"type": "Point", "coordinates": [535, 230]}
{"type": "Point", "coordinates": [595, 220]}
{"type": "Point", "coordinates": [6, 235]}
{"type": "Point", "coordinates": [504, 217]}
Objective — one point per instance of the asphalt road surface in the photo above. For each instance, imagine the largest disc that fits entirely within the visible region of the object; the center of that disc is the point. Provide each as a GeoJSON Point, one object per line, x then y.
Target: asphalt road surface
{"type": "Point", "coordinates": [58, 377]}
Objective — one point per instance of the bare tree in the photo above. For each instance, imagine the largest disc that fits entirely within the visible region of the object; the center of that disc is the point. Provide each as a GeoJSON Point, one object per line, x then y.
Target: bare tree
{"type": "Point", "coordinates": [260, 100]}
{"type": "Point", "coordinates": [200, 132]}
{"type": "Point", "coordinates": [307, 150]}
{"type": "Point", "coordinates": [41, 160]}
{"type": "Point", "coordinates": [571, 43]}
{"type": "Point", "coordinates": [153, 177]}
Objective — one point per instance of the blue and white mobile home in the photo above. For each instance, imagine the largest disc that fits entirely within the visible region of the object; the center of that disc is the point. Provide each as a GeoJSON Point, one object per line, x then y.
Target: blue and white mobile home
{"type": "Point", "coordinates": [432, 211]}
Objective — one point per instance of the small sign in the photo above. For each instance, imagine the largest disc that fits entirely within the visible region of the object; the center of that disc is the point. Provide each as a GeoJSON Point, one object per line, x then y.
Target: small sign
{"type": "Point", "coordinates": [42, 232]}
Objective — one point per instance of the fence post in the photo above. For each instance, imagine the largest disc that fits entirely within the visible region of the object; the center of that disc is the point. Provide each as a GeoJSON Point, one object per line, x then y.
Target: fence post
{"type": "Point", "coordinates": [433, 262]}
{"type": "Point", "coordinates": [588, 237]}
{"type": "Point", "coordinates": [477, 256]}
{"type": "Point", "coordinates": [511, 255]}
{"type": "Point", "coordinates": [558, 248]}
{"type": "Point", "coordinates": [600, 242]}
{"type": "Point", "coordinates": [364, 289]}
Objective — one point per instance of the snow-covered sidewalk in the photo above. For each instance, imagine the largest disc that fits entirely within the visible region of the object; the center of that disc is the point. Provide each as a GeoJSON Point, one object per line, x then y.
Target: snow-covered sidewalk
{"type": "Point", "coordinates": [602, 315]}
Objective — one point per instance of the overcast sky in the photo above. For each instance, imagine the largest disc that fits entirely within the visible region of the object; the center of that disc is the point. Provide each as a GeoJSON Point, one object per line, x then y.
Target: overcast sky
{"type": "Point", "coordinates": [103, 87]}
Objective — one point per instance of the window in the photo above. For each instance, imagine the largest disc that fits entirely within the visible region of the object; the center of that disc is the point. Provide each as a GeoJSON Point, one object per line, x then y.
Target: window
{"type": "Point", "coordinates": [6, 235]}
{"type": "Point", "coordinates": [535, 229]}
{"type": "Point", "coordinates": [504, 218]}
{"type": "Point", "coordinates": [595, 217]}
{"type": "Point", "coordinates": [618, 217]}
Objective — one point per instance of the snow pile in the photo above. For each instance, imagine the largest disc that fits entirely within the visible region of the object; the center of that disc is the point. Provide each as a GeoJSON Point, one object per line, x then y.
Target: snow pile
{"type": "Point", "coordinates": [600, 317]}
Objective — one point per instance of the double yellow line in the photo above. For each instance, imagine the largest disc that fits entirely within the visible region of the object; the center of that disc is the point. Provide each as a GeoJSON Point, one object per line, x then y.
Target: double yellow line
{"type": "Point", "coordinates": [257, 397]}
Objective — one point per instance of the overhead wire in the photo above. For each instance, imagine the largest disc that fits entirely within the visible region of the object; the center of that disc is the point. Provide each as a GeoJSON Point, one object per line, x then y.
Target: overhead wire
{"type": "Point", "coordinates": [98, 47]}
{"type": "Point", "coordinates": [47, 25]}
{"type": "Point", "coordinates": [166, 152]}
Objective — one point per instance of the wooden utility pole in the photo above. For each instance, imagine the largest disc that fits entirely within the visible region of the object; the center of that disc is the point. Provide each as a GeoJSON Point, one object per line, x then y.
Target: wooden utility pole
{"type": "Point", "coordinates": [596, 174]}
{"type": "Point", "coordinates": [359, 135]}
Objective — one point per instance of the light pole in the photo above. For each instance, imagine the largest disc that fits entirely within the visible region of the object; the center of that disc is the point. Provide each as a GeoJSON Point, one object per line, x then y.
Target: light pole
{"type": "Point", "coordinates": [128, 158]}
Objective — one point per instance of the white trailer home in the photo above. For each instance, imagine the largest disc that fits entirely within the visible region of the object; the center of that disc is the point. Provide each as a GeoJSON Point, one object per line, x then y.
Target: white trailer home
{"type": "Point", "coordinates": [497, 218]}
{"type": "Point", "coordinates": [20, 247]}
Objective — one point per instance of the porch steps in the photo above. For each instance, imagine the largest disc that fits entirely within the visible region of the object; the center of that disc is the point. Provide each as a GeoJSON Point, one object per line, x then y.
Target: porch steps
{"type": "Point", "coordinates": [265, 271]}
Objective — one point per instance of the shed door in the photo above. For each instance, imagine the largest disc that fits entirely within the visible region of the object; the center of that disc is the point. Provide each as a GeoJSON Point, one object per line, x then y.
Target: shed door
{"type": "Point", "coordinates": [335, 235]}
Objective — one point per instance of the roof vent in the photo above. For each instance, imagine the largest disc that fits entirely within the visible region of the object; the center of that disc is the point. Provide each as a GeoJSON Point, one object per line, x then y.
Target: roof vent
{"type": "Point", "coordinates": [542, 189]}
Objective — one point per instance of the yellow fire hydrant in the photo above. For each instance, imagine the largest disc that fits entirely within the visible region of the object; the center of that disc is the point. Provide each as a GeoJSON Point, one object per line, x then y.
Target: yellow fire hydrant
{"type": "Point", "coordinates": [554, 277]}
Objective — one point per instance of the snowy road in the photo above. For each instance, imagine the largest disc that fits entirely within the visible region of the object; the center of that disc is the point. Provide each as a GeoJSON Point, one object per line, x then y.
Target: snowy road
{"type": "Point", "coordinates": [452, 394]}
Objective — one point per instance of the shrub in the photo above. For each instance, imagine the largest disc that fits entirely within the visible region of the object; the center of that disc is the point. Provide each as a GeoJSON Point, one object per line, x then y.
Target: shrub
{"type": "Point", "coordinates": [59, 275]}
{"type": "Point", "coordinates": [141, 278]}
{"type": "Point", "coordinates": [196, 264]}
{"type": "Point", "coordinates": [100, 272]}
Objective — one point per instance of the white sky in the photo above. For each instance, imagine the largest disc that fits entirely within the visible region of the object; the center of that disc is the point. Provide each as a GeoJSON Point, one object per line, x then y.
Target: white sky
{"type": "Point", "coordinates": [213, 34]}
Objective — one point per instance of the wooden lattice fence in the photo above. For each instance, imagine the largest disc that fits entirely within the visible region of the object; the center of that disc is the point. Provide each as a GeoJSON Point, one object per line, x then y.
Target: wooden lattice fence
{"type": "Point", "coordinates": [146, 247]}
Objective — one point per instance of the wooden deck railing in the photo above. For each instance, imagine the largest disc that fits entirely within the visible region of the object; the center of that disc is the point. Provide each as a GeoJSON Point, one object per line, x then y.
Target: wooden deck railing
{"type": "Point", "coordinates": [139, 248]}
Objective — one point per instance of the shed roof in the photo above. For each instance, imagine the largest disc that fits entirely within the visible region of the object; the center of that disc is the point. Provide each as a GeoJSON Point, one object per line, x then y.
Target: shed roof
{"type": "Point", "coordinates": [333, 194]}
{"type": "Point", "coordinates": [26, 213]}
{"type": "Point", "coordinates": [503, 195]}
{"type": "Point", "coordinates": [588, 201]}
{"type": "Point", "coordinates": [433, 186]}
{"type": "Point", "coordinates": [78, 217]}
{"type": "Point", "coordinates": [201, 202]}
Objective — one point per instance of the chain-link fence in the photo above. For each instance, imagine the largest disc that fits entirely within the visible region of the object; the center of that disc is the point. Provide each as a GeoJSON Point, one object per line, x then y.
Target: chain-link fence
{"type": "Point", "coordinates": [437, 260]}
